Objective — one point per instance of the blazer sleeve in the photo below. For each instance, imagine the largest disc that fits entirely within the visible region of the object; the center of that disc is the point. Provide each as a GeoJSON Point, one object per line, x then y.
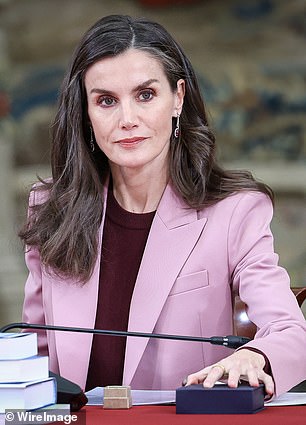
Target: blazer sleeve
{"type": "Point", "coordinates": [33, 311]}
{"type": "Point", "coordinates": [264, 287]}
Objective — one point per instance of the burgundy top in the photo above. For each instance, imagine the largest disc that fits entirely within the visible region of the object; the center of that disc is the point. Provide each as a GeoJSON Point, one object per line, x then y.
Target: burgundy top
{"type": "Point", "coordinates": [124, 238]}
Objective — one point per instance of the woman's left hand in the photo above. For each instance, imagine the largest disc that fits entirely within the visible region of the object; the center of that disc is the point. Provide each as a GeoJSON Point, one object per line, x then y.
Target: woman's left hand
{"type": "Point", "coordinates": [243, 364]}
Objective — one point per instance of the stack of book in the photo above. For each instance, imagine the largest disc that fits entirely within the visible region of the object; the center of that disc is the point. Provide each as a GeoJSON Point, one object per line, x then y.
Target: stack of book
{"type": "Point", "coordinates": [24, 375]}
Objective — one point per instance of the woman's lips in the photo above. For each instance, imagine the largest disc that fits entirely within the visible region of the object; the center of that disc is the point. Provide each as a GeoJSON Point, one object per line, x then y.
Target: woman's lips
{"type": "Point", "coordinates": [129, 142]}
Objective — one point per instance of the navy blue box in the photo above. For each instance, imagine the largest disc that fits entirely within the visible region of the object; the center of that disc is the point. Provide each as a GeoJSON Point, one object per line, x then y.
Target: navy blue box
{"type": "Point", "coordinates": [220, 399]}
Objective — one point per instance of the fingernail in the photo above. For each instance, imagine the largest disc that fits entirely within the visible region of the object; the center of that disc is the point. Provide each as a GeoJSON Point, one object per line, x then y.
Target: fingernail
{"type": "Point", "coordinates": [184, 382]}
{"type": "Point", "coordinates": [208, 384]}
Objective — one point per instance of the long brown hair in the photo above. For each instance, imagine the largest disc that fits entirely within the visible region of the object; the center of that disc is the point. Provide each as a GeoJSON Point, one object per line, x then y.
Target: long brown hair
{"type": "Point", "coordinates": [64, 226]}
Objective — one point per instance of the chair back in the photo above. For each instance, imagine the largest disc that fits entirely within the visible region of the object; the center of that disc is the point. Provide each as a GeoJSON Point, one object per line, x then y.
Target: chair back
{"type": "Point", "coordinates": [243, 325]}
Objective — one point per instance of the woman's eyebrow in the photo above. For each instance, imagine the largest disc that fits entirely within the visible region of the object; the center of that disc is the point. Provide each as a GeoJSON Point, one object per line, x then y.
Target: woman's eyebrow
{"type": "Point", "coordinates": [140, 86]}
{"type": "Point", "coordinates": [146, 84]}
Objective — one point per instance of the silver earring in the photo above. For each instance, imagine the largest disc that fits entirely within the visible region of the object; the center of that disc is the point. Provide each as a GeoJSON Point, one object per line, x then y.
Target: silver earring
{"type": "Point", "coordinates": [91, 142]}
{"type": "Point", "coordinates": [177, 127]}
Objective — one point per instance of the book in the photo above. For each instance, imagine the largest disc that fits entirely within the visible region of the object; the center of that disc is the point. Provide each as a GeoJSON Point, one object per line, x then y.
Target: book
{"type": "Point", "coordinates": [17, 345]}
{"type": "Point", "coordinates": [28, 395]}
{"type": "Point", "coordinates": [24, 370]}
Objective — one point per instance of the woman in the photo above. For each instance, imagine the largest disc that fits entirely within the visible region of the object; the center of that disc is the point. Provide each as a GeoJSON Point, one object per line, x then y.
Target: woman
{"type": "Point", "coordinates": [140, 229]}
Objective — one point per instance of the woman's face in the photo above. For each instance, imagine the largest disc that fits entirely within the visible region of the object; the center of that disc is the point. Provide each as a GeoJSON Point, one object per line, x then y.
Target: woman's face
{"type": "Point", "coordinates": [130, 107]}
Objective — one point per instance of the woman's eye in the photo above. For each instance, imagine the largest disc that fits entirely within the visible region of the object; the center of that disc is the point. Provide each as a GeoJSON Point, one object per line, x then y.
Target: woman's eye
{"type": "Point", "coordinates": [146, 95]}
{"type": "Point", "coordinates": [106, 101]}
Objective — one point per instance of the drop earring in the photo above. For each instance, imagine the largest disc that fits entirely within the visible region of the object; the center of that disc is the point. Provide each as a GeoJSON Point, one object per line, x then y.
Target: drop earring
{"type": "Point", "coordinates": [177, 127]}
{"type": "Point", "coordinates": [91, 142]}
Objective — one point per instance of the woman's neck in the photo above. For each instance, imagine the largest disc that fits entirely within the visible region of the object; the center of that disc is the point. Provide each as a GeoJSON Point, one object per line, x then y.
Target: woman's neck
{"type": "Point", "coordinates": [137, 192]}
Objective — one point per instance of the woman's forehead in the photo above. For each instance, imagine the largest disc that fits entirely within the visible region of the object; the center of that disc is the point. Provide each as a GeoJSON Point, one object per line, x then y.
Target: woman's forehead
{"type": "Point", "coordinates": [133, 66]}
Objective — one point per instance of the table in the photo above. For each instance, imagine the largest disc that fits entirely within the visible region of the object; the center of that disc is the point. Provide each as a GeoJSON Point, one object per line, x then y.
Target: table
{"type": "Point", "coordinates": [165, 415]}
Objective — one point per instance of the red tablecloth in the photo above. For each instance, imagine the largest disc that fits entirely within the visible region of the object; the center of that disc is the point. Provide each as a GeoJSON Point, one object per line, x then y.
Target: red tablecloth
{"type": "Point", "coordinates": [165, 415]}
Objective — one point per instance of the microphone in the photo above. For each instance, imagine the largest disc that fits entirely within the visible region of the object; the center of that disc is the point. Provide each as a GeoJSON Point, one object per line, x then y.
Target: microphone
{"type": "Point", "coordinates": [230, 341]}
{"type": "Point", "coordinates": [69, 392]}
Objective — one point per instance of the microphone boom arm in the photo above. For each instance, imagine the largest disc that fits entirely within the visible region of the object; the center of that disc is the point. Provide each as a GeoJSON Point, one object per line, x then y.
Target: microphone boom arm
{"type": "Point", "coordinates": [230, 341]}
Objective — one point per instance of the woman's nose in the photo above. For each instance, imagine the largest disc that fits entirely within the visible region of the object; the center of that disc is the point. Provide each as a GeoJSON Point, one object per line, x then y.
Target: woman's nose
{"type": "Point", "coordinates": [128, 116]}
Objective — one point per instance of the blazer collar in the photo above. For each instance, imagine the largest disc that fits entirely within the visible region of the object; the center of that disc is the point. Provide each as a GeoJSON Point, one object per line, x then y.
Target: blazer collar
{"type": "Point", "coordinates": [174, 232]}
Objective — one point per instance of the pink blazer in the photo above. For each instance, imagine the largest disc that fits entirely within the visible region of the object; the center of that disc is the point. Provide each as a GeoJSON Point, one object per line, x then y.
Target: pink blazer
{"type": "Point", "coordinates": [192, 261]}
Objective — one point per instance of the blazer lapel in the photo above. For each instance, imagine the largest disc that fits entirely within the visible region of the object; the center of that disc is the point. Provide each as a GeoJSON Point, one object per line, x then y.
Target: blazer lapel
{"type": "Point", "coordinates": [75, 305]}
{"type": "Point", "coordinates": [174, 232]}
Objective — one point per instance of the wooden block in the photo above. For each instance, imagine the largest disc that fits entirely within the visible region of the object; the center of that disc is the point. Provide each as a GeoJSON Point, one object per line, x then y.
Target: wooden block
{"type": "Point", "coordinates": [117, 397]}
{"type": "Point", "coordinates": [117, 391]}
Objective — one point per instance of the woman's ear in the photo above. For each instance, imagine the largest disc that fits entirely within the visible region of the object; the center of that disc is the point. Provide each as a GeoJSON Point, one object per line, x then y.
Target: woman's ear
{"type": "Point", "coordinates": [180, 93]}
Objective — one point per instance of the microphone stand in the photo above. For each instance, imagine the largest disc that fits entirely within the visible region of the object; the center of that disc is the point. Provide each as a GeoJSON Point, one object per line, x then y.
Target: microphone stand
{"type": "Point", "coordinates": [230, 341]}
{"type": "Point", "coordinates": [188, 399]}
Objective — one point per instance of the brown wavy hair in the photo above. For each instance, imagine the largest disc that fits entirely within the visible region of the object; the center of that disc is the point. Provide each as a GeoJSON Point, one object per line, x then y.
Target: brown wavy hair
{"type": "Point", "coordinates": [64, 227]}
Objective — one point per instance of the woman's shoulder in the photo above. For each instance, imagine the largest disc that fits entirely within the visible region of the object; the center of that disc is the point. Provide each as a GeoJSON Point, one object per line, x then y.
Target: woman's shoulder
{"type": "Point", "coordinates": [242, 200]}
{"type": "Point", "coordinates": [248, 196]}
{"type": "Point", "coordinates": [40, 192]}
